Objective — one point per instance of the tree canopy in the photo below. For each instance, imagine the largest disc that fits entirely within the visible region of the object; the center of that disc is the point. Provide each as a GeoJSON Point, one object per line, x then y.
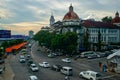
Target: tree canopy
{"type": "Point", "coordinates": [107, 19]}
{"type": "Point", "coordinates": [65, 42]}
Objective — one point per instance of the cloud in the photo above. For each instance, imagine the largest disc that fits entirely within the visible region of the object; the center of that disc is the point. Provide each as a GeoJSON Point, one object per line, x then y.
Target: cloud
{"type": "Point", "coordinates": [24, 27]}
{"type": "Point", "coordinates": [18, 15]}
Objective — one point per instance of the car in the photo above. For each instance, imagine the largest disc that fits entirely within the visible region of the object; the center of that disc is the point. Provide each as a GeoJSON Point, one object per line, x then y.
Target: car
{"type": "Point", "coordinates": [92, 56]}
{"type": "Point", "coordinates": [33, 67]}
{"type": "Point", "coordinates": [32, 77]}
{"type": "Point", "coordinates": [51, 55]}
{"type": "Point", "coordinates": [66, 60]}
{"type": "Point", "coordinates": [44, 64]}
{"type": "Point", "coordinates": [56, 67]}
{"type": "Point", "coordinates": [28, 57]}
{"type": "Point", "coordinates": [29, 62]}
{"type": "Point", "coordinates": [90, 75]}
{"type": "Point", "coordinates": [76, 57]}
{"type": "Point", "coordinates": [22, 59]}
{"type": "Point", "coordinates": [1, 70]}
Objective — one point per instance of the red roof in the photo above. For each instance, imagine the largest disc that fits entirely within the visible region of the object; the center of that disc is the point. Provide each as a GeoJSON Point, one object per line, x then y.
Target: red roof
{"type": "Point", "coordinates": [9, 49]}
{"type": "Point", "coordinates": [71, 15]}
{"type": "Point", "coordinates": [98, 24]}
{"type": "Point", "coordinates": [15, 47]}
{"type": "Point", "coordinates": [116, 20]}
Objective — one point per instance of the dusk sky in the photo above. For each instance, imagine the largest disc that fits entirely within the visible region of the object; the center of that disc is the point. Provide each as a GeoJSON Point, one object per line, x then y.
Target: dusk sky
{"type": "Point", "coordinates": [20, 16]}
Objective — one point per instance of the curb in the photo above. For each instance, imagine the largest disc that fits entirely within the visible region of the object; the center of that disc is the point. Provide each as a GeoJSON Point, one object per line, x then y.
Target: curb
{"type": "Point", "coordinates": [8, 74]}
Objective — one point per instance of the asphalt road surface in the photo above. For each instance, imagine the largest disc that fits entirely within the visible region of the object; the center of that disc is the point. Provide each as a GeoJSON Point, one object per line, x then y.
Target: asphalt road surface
{"type": "Point", "coordinates": [22, 70]}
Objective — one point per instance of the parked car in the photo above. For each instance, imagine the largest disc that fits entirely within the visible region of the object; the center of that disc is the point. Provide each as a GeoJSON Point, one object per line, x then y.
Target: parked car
{"type": "Point", "coordinates": [2, 60]}
{"type": "Point", "coordinates": [92, 56]}
{"type": "Point", "coordinates": [85, 54]}
{"type": "Point", "coordinates": [44, 64]}
{"type": "Point", "coordinates": [56, 67]}
{"type": "Point", "coordinates": [32, 77]}
{"type": "Point", "coordinates": [2, 68]}
{"type": "Point", "coordinates": [90, 75]}
{"type": "Point", "coordinates": [51, 55]}
{"type": "Point", "coordinates": [66, 60]}
{"type": "Point", "coordinates": [33, 67]}
{"type": "Point", "coordinates": [76, 57]}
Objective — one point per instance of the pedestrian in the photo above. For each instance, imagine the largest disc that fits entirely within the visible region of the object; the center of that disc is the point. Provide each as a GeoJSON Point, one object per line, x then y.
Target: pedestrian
{"type": "Point", "coordinates": [104, 69]}
{"type": "Point", "coordinates": [100, 65]}
{"type": "Point", "coordinates": [67, 78]}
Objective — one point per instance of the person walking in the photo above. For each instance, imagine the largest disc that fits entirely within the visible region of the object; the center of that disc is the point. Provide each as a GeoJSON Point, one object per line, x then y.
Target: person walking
{"type": "Point", "coordinates": [100, 65]}
{"type": "Point", "coordinates": [67, 78]}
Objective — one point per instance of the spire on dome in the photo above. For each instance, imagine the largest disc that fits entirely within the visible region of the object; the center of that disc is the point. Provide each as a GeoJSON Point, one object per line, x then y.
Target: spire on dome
{"type": "Point", "coordinates": [117, 14]}
{"type": "Point", "coordinates": [71, 8]}
{"type": "Point", "coordinates": [52, 20]}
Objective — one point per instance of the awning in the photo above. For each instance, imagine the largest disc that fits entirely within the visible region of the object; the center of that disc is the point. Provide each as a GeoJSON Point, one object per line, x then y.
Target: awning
{"type": "Point", "coordinates": [15, 47]}
{"type": "Point", "coordinates": [114, 54]}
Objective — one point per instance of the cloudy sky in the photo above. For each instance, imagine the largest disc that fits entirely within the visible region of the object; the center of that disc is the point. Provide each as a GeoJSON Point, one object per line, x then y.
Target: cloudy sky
{"type": "Point", "coordinates": [20, 16]}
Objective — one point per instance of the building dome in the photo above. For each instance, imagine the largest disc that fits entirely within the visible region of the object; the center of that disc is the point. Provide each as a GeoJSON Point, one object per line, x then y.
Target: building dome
{"type": "Point", "coordinates": [116, 19]}
{"type": "Point", "coordinates": [71, 15]}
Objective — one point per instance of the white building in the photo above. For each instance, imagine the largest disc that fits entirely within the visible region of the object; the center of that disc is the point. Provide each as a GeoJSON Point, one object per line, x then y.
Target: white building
{"type": "Point", "coordinates": [110, 32]}
{"type": "Point", "coordinates": [31, 34]}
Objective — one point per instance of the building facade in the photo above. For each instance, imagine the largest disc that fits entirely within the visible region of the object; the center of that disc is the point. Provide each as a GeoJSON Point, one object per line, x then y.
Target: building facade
{"type": "Point", "coordinates": [110, 32]}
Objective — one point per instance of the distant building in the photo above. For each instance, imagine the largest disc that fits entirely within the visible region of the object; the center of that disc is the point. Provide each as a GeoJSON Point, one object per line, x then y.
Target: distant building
{"type": "Point", "coordinates": [5, 34]}
{"type": "Point", "coordinates": [31, 34]}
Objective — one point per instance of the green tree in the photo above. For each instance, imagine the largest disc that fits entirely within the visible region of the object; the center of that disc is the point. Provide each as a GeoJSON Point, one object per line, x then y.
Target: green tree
{"type": "Point", "coordinates": [107, 19]}
{"type": "Point", "coordinates": [99, 40]}
{"type": "Point", "coordinates": [66, 42]}
{"type": "Point", "coordinates": [44, 38]}
{"type": "Point", "coordinates": [70, 42]}
{"type": "Point", "coordinates": [86, 40]}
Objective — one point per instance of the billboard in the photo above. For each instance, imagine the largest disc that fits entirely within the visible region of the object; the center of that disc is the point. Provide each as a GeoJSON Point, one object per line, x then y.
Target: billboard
{"type": "Point", "coordinates": [5, 33]}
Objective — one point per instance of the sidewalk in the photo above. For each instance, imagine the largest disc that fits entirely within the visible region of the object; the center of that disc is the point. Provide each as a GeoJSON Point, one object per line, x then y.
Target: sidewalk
{"type": "Point", "coordinates": [8, 73]}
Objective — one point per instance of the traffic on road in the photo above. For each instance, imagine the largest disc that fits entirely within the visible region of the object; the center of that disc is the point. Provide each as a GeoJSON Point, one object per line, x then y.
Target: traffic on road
{"type": "Point", "coordinates": [36, 65]}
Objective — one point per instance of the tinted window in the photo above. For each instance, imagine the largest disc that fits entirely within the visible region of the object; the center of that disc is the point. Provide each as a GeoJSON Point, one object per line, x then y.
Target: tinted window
{"type": "Point", "coordinates": [98, 75]}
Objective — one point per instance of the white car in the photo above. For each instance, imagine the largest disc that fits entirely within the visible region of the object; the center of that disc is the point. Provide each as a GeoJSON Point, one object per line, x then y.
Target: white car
{"type": "Point", "coordinates": [90, 75]}
{"type": "Point", "coordinates": [33, 67]}
{"type": "Point", "coordinates": [22, 59]}
{"type": "Point", "coordinates": [44, 64]}
{"type": "Point", "coordinates": [66, 60]}
{"type": "Point", "coordinates": [33, 77]}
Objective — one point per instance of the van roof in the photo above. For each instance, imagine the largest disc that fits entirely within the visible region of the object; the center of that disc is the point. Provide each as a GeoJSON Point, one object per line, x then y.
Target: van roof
{"type": "Point", "coordinates": [67, 67]}
{"type": "Point", "coordinates": [87, 52]}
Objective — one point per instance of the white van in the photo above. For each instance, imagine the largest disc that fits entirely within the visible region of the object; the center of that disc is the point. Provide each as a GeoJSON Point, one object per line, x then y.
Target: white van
{"type": "Point", "coordinates": [85, 54]}
{"type": "Point", "coordinates": [66, 70]}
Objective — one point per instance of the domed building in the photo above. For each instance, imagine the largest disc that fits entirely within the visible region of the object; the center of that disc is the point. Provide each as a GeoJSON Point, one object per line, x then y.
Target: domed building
{"type": "Point", "coordinates": [71, 18]}
{"type": "Point", "coordinates": [71, 22]}
{"type": "Point", "coordinates": [116, 20]}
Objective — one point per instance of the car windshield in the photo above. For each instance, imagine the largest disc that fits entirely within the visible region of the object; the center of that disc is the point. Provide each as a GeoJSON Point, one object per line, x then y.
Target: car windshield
{"type": "Point", "coordinates": [33, 65]}
{"type": "Point", "coordinates": [98, 75]}
{"type": "Point", "coordinates": [46, 63]}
